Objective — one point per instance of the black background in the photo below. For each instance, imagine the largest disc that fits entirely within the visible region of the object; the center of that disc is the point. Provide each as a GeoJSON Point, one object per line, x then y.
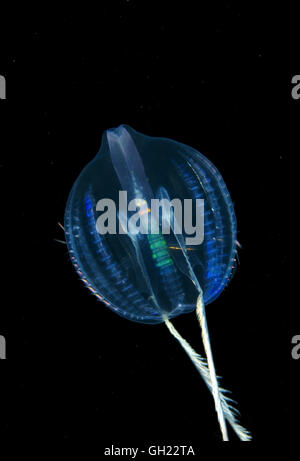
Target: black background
{"type": "Point", "coordinates": [217, 78]}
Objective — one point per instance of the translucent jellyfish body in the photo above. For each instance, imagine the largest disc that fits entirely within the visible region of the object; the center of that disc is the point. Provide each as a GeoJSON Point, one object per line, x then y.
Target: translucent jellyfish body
{"type": "Point", "coordinates": [142, 276]}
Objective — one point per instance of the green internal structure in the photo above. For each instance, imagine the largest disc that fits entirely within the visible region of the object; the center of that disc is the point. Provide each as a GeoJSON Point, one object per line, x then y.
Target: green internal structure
{"type": "Point", "coordinates": [159, 249]}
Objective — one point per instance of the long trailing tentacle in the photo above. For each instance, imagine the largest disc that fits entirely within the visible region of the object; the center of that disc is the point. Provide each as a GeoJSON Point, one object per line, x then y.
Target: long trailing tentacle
{"type": "Point", "coordinates": [200, 311]}
{"type": "Point", "coordinates": [201, 365]}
